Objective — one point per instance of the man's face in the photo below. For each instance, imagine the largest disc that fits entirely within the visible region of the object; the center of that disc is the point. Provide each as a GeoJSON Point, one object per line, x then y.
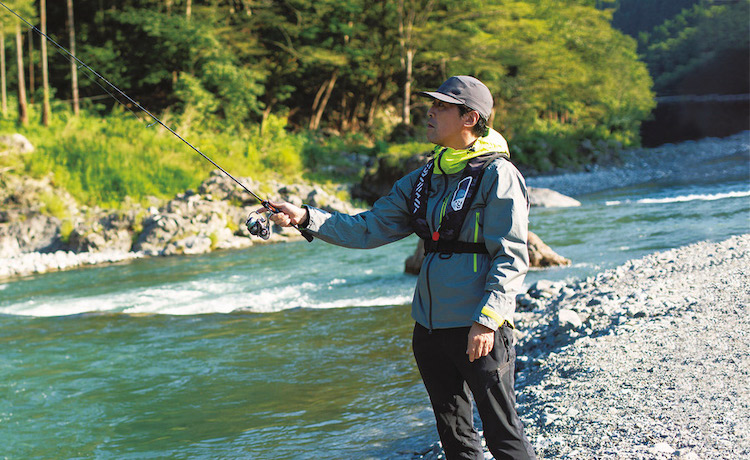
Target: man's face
{"type": "Point", "coordinates": [445, 125]}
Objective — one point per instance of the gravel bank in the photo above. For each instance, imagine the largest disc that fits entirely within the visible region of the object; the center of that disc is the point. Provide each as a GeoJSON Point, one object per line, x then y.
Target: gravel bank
{"type": "Point", "coordinates": [690, 161]}
{"type": "Point", "coordinates": [658, 367]}
{"type": "Point", "coordinates": [646, 361]}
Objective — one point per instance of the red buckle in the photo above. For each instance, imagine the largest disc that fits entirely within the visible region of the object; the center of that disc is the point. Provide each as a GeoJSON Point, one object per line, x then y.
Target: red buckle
{"type": "Point", "coordinates": [435, 236]}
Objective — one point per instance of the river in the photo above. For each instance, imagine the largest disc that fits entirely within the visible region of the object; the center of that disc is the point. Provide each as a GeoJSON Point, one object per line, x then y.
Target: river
{"type": "Point", "coordinates": [294, 350]}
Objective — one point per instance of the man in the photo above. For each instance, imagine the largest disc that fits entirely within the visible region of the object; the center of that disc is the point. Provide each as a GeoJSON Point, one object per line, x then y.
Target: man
{"type": "Point", "coordinates": [470, 205]}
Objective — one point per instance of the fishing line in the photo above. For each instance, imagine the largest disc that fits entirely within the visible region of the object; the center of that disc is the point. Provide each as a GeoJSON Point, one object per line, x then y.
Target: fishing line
{"type": "Point", "coordinates": [253, 222]}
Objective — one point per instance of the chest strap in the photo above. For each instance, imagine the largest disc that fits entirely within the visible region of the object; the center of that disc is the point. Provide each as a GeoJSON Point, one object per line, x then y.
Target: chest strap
{"type": "Point", "coordinates": [454, 247]}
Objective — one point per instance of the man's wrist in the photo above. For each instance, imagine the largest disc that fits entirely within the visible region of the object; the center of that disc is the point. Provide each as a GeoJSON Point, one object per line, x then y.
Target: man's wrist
{"type": "Point", "coordinates": [483, 328]}
{"type": "Point", "coordinates": [305, 221]}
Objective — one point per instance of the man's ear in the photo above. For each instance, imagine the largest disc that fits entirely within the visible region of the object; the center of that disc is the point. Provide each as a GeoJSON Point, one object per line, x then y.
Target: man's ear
{"type": "Point", "coordinates": [471, 118]}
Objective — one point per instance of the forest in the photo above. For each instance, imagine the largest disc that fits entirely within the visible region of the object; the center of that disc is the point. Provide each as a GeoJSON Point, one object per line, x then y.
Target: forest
{"type": "Point", "coordinates": [295, 88]}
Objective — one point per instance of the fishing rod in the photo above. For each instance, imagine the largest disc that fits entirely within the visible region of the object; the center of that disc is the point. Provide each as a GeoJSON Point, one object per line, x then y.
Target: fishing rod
{"type": "Point", "coordinates": [256, 225]}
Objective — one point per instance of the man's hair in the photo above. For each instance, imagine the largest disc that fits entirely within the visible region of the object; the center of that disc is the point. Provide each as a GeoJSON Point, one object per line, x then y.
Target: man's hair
{"type": "Point", "coordinates": [480, 127]}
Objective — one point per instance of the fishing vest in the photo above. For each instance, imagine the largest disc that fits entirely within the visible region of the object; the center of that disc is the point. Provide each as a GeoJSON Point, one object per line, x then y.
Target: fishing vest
{"type": "Point", "coordinates": [445, 239]}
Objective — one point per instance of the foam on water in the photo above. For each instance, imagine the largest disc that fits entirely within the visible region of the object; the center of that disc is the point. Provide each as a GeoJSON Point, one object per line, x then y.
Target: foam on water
{"type": "Point", "coordinates": [683, 198]}
{"type": "Point", "coordinates": [210, 295]}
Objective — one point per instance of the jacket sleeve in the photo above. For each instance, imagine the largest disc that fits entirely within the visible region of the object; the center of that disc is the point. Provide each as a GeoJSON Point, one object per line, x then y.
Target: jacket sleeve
{"type": "Point", "coordinates": [505, 229]}
{"type": "Point", "coordinates": [387, 221]}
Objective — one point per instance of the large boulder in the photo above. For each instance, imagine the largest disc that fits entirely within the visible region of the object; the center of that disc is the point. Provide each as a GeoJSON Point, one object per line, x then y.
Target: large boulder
{"type": "Point", "coordinates": [540, 255]}
{"type": "Point", "coordinates": [32, 233]}
{"type": "Point", "coordinates": [547, 198]}
{"type": "Point", "coordinates": [193, 224]}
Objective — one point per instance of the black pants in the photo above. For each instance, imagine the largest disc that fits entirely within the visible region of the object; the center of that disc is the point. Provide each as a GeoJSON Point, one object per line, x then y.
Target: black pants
{"type": "Point", "coordinates": [449, 376]}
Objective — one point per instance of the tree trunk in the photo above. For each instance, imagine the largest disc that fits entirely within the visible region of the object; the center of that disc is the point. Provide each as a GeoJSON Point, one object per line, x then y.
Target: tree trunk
{"type": "Point", "coordinates": [31, 66]}
{"type": "Point", "coordinates": [46, 111]}
{"type": "Point", "coordinates": [405, 27]}
{"type": "Point", "coordinates": [73, 67]}
{"type": "Point", "coordinates": [3, 81]}
{"type": "Point", "coordinates": [23, 109]}
{"type": "Point", "coordinates": [189, 9]}
{"type": "Point", "coordinates": [406, 115]}
{"type": "Point", "coordinates": [373, 110]}
{"type": "Point", "coordinates": [315, 123]}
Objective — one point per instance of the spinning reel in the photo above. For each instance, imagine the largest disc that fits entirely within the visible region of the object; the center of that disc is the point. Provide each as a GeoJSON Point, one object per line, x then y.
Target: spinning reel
{"type": "Point", "coordinates": [258, 225]}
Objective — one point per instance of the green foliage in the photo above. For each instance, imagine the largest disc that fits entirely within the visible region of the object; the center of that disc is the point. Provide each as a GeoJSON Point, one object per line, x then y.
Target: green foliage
{"type": "Point", "coordinates": [558, 72]}
{"type": "Point", "coordinates": [53, 205]}
{"type": "Point", "coordinates": [636, 16]}
{"type": "Point", "coordinates": [244, 81]}
{"type": "Point", "coordinates": [66, 228]}
{"type": "Point", "coordinates": [693, 39]}
{"type": "Point", "coordinates": [100, 161]}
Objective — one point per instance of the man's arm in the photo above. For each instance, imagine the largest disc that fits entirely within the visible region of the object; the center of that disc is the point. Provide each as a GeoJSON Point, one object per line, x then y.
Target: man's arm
{"type": "Point", "coordinates": [387, 221]}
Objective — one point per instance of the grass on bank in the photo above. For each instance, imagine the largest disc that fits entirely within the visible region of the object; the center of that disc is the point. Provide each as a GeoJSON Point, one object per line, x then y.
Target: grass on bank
{"type": "Point", "coordinates": [101, 160]}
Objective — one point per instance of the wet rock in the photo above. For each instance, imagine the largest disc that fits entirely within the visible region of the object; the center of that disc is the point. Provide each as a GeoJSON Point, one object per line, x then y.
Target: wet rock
{"type": "Point", "coordinates": [541, 255]}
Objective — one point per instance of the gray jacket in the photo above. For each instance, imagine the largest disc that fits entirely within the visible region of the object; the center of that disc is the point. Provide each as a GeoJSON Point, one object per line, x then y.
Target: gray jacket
{"type": "Point", "coordinates": [458, 289]}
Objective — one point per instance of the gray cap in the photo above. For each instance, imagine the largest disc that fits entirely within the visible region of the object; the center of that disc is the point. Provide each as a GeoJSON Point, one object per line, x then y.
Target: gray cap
{"type": "Point", "coordinates": [464, 90]}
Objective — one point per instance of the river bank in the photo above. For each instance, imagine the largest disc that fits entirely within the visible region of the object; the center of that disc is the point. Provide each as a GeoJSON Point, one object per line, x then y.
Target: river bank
{"type": "Point", "coordinates": [210, 218]}
{"type": "Point", "coordinates": [648, 360]}
{"type": "Point", "coordinates": [684, 162]}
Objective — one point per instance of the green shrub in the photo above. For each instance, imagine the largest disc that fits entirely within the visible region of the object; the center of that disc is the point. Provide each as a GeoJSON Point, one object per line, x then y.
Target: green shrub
{"type": "Point", "coordinates": [53, 205]}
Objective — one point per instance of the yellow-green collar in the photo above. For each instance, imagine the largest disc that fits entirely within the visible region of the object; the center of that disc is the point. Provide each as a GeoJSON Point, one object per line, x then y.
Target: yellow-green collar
{"type": "Point", "coordinates": [452, 161]}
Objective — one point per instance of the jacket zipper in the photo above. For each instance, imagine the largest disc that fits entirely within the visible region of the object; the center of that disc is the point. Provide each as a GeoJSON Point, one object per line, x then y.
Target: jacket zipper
{"type": "Point", "coordinates": [429, 291]}
{"type": "Point", "coordinates": [476, 237]}
{"type": "Point", "coordinates": [431, 255]}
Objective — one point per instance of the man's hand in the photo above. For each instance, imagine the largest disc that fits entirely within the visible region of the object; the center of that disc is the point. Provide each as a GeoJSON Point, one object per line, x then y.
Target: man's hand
{"type": "Point", "coordinates": [289, 215]}
{"type": "Point", "coordinates": [481, 341]}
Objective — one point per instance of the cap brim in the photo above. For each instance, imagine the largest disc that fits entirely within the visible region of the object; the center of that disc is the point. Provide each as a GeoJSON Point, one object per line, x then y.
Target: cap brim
{"type": "Point", "coordinates": [441, 97]}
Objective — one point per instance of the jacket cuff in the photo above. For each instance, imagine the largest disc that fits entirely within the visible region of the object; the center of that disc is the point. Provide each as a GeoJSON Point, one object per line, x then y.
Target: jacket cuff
{"type": "Point", "coordinates": [495, 310]}
{"type": "Point", "coordinates": [315, 218]}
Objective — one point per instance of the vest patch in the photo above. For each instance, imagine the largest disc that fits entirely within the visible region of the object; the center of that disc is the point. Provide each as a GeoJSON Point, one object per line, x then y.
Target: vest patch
{"type": "Point", "coordinates": [462, 191]}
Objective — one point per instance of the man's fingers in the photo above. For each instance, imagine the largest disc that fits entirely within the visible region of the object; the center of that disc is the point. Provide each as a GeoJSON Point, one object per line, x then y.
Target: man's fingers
{"type": "Point", "coordinates": [479, 345]}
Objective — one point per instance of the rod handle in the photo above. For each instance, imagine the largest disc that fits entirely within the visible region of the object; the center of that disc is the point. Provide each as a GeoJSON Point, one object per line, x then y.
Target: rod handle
{"type": "Point", "coordinates": [276, 210]}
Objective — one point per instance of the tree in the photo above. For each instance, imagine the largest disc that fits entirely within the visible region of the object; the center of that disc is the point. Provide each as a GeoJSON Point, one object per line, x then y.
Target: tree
{"type": "Point", "coordinates": [73, 66]}
{"type": "Point", "coordinates": [23, 109]}
{"type": "Point", "coordinates": [412, 14]}
{"type": "Point", "coordinates": [46, 111]}
{"type": "Point", "coordinates": [709, 39]}
{"type": "Point", "coordinates": [3, 82]}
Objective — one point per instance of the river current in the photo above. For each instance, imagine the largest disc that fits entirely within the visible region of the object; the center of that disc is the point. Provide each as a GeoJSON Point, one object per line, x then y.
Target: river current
{"type": "Point", "coordinates": [293, 350]}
